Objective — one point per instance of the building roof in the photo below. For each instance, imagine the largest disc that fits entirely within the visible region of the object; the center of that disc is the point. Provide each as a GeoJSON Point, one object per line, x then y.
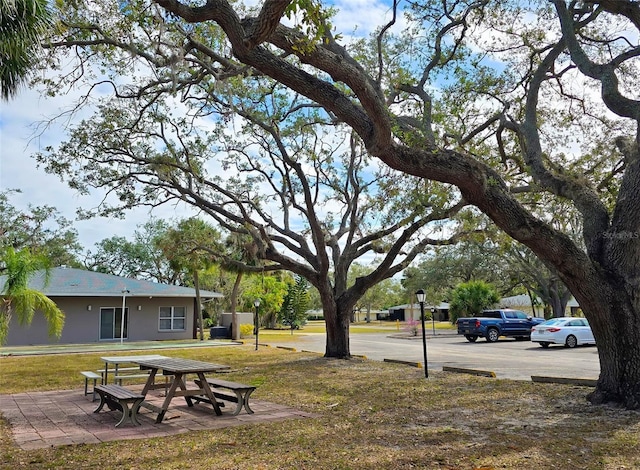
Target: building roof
{"type": "Point", "coordinates": [71, 282]}
{"type": "Point", "coordinates": [520, 300]}
{"type": "Point", "coordinates": [523, 300]}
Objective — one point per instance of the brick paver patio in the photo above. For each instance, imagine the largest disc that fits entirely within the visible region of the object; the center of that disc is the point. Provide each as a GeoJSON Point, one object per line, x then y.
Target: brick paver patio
{"type": "Point", "coordinates": [63, 417]}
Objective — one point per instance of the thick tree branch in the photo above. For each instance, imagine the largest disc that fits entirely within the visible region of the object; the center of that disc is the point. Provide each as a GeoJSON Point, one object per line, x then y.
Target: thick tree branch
{"type": "Point", "coordinates": [604, 73]}
{"type": "Point", "coordinates": [267, 22]}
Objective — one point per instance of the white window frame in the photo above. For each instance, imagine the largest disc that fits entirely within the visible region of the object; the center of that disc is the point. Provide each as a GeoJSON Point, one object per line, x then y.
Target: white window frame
{"type": "Point", "coordinates": [172, 318]}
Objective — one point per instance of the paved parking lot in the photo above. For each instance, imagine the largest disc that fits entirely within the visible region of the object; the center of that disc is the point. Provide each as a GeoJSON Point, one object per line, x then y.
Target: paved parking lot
{"type": "Point", "coordinates": [508, 358]}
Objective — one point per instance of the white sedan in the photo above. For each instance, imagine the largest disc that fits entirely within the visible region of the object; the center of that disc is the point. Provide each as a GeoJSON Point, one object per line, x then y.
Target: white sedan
{"type": "Point", "coordinates": [569, 331]}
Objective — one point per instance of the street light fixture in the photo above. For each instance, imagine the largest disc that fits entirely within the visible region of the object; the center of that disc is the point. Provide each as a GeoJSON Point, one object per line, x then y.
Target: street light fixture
{"type": "Point", "coordinates": [421, 296]}
{"type": "Point", "coordinates": [256, 326]}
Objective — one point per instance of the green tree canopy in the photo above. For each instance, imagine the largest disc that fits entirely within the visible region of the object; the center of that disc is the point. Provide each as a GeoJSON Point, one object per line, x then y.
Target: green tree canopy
{"type": "Point", "coordinates": [271, 290]}
{"type": "Point", "coordinates": [478, 258]}
{"type": "Point", "coordinates": [139, 258]}
{"type": "Point", "coordinates": [295, 305]}
{"type": "Point", "coordinates": [41, 229]}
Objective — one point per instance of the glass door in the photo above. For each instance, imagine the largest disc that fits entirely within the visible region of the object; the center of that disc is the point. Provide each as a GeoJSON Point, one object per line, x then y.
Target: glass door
{"type": "Point", "coordinates": [111, 321]}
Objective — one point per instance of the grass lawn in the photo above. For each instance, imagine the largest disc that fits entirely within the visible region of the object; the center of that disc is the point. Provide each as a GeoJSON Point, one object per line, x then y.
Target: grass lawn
{"type": "Point", "coordinates": [370, 415]}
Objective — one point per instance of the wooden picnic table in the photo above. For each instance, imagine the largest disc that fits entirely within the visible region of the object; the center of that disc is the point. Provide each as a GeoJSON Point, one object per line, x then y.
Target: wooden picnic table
{"type": "Point", "coordinates": [179, 368]}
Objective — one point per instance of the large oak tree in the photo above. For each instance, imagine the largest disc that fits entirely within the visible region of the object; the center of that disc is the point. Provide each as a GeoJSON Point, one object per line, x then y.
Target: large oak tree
{"type": "Point", "coordinates": [264, 163]}
{"type": "Point", "coordinates": [504, 100]}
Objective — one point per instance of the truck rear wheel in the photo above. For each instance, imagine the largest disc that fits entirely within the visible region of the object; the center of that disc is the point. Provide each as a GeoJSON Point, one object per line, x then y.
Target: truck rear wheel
{"type": "Point", "coordinates": [492, 335]}
{"type": "Point", "coordinates": [471, 338]}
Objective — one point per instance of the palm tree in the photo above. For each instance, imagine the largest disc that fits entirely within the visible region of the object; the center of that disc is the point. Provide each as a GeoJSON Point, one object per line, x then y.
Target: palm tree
{"type": "Point", "coordinates": [188, 247]}
{"type": "Point", "coordinates": [17, 298]}
{"type": "Point", "coordinates": [240, 252]}
{"type": "Point", "coordinates": [22, 24]}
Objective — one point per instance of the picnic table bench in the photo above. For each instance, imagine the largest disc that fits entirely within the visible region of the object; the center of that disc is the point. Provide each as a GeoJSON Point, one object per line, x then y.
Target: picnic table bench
{"type": "Point", "coordinates": [241, 391]}
{"type": "Point", "coordinates": [119, 397]}
{"type": "Point", "coordinates": [89, 375]}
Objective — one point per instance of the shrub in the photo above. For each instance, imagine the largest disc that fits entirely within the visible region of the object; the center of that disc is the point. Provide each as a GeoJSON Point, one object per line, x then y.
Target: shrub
{"type": "Point", "coordinates": [411, 326]}
{"type": "Point", "coordinates": [246, 330]}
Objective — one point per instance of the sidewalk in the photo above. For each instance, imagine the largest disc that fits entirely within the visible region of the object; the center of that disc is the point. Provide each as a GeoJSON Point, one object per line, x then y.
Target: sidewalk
{"type": "Point", "coordinates": [110, 347]}
{"type": "Point", "coordinates": [56, 418]}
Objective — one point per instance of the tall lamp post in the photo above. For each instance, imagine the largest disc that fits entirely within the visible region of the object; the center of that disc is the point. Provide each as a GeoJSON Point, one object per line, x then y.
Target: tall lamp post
{"type": "Point", "coordinates": [433, 320]}
{"type": "Point", "coordinates": [420, 295]}
{"type": "Point", "coordinates": [256, 327]}
{"type": "Point", "coordinates": [124, 296]}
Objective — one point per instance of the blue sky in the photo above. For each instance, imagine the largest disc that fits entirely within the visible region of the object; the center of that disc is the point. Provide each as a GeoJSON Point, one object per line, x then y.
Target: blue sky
{"type": "Point", "coordinates": [22, 135]}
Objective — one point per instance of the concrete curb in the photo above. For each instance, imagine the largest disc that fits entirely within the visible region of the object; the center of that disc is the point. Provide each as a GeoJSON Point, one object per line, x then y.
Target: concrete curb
{"type": "Point", "coordinates": [564, 380]}
{"type": "Point", "coordinates": [429, 336]}
{"type": "Point", "coordinates": [460, 370]}
{"type": "Point", "coordinates": [408, 363]}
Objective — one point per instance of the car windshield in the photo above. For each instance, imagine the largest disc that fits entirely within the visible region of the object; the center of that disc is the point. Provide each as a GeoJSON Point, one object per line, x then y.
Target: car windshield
{"type": "Point", "coordinates": [553, 321]}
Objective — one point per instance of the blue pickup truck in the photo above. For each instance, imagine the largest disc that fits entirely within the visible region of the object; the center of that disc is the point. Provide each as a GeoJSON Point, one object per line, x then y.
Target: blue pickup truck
{"type": "Point", "coordinates": [492, 324]}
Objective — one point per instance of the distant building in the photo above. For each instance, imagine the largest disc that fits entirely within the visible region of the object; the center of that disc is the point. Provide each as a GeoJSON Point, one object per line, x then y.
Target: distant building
{"type": "Point", "coordinates": [361, 315]}
{"type": "Point", "coordinates": [406, 312]}
{"type": "Point", "coordinates": [356, 315]}
{"type": "Point", "coordinates": [523, 302]}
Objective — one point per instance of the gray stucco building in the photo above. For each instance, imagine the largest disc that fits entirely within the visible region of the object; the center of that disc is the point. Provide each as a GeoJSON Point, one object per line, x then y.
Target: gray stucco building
{"type": "Point", "coordinates": [93, 305]}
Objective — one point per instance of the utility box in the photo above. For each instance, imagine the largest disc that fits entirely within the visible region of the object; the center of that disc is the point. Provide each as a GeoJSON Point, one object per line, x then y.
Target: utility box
{"type": "Point", "coordinates": [219, 332]}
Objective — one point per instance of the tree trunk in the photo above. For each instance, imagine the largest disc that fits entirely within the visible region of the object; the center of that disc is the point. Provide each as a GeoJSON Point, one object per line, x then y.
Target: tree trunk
{"type": "Point", "coordinates": [196, 282]}
{"type": "Point", "coordinates": [618, 338]}
{"type": "Point", "coordinates": [532, 298]}
{"type": "Point", "coordinates": [611, 302]}
{"type": "Point", "coordinates": [556, 307]}
{"type": "Point", "coordinates": [559, 296]}
{"type": "Point", "coordinates": [235, 327]}
{"type": "Point", "coordinates": [337, 324]}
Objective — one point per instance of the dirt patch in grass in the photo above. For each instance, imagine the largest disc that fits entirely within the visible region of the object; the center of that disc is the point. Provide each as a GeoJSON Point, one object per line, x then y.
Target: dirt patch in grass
{"type": "Point", "coordinates": [371, 415]}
